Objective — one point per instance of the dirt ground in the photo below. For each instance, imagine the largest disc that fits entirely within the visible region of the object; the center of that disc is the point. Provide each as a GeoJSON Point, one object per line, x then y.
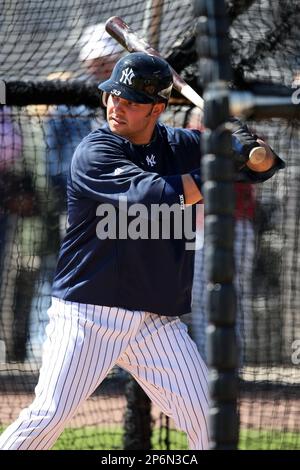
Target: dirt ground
{"type": "Point", "coordinates": [265, 412]}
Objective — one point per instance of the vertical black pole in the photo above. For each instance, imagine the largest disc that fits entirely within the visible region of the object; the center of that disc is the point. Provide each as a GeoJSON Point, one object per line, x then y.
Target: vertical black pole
{"type": "Point", "coordinates": [138, 424]}
{"type": "Point", "coordinates": [218, 191]}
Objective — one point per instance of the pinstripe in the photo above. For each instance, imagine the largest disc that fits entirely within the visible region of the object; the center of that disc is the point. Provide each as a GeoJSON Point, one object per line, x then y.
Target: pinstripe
{"type": "Point", "coordinates": [137, 359]}
{"type": "Point", "coordinates": [124, 334]}
{"type": "Point", "coordinates": [144, 357]}
{"type": "Point", "coordinates": [191, 381]}
{"type": "Point", "coordinates": [199, 366]}
{"type": "Point", "coordinates": [183, 393]}
{"type": "Point", "coordinates": [195, 368]}
{"type": "Point", "coordinates": [166, 355]}
{"type": "Point", "coordinates": [88, 385]}
{"type": "Point", "coordinates": [183, 378]}
{"type": "Point", "coordinates": [201, 363]}
{"type": "Point", "coordinates": [163, 368]}
{"type": "Point", "coordinates": [108, 357]}
{"type": "Point", "coordinates": [93, 376]}
{"type": "Point", "coordinates": [85, 369]}
{"type": "Point", "coordinates": [174, 377]}
{"type": "Point", "coordinates": [71, 376]}
{"type": "Point", "coordinates": [94, 352]}
{"type": "Point", "coordinates": [97, 350]}
{"type": "Point", "coordinates": [68, 401]}
{"type": "Point", "coordinates": [157, 398]}
{"type": "Point", "coordinates": [188, 410]}
{"type": "Point", "coordinates": [128, 360]}
{"type": "Point", "coordinates": [62, 401]}
{"type": "Point", "coordinates": [200, 381]}
{"type": "Point", "coordinates": [84, 342]}
{"type": "Point", "coordinates": [46, 392]}
{"type": "Point", "coordinates": [99, 356]}
{"type": "Point", "coordinates": [150, 354]}
{"type": "Point", "coordinates": [129, 329]}
{"type": "Point", "coordinates": [170, 394]}
{"type": "Point", "coordinates": [174, 328]}
{"type": "Point", "coordinates": [154, 395]}
{"type": "Point", "coordinates": [109, 334]}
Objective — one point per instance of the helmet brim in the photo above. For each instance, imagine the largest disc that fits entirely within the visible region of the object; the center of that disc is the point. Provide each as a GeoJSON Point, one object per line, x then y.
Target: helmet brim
{"type": "Point", "coordinates": [127, 93]}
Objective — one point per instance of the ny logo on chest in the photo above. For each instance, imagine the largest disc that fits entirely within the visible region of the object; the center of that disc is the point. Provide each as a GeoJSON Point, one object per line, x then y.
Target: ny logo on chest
{"type": "Point", "coordinates": [151, 160]}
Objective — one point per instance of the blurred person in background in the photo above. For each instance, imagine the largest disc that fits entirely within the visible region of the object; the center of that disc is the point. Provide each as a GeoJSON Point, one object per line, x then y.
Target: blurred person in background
{"type": "Point", "coordinates": [18, 202]}
{"type": "Point", "coordinates": [99, 52]}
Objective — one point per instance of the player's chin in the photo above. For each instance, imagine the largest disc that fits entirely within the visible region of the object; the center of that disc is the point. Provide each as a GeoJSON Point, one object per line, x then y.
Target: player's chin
{"type": "Point", "coordinates": [117, 126]}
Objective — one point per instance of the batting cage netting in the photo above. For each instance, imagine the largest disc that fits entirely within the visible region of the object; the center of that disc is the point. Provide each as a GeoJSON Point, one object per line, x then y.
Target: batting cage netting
{"type": "Point", "coordinates": [48, 103]}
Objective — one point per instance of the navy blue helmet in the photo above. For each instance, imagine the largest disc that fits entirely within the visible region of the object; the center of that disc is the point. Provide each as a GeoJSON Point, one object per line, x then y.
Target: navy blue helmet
{"type": "Point", "coordinates": [141, 78]}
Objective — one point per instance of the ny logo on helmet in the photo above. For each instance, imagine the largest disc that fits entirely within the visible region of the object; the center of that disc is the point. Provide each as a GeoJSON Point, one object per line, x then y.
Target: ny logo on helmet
{"type": "Point", "coordinates": [127, 76]}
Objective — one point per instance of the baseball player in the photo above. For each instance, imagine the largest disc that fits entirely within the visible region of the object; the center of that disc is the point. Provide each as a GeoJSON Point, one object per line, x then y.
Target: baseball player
{"type": "Point", "coordinates": [117, 298]}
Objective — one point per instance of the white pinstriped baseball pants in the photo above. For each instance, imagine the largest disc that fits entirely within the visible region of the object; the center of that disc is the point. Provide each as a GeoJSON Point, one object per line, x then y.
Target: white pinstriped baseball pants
{"type": "Point", "coordinates": [84, 342]}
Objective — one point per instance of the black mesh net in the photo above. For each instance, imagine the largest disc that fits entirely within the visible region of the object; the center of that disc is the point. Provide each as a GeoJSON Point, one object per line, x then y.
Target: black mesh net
{"type": "Point", "coordinates": [45, 47]}
{"type": "Point", "coordinates": [39, 38]}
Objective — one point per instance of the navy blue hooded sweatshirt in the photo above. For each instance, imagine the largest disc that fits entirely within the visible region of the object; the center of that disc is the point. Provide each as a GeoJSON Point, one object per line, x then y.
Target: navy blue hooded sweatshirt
{"type": "Point", "coordinates": [109, 173]}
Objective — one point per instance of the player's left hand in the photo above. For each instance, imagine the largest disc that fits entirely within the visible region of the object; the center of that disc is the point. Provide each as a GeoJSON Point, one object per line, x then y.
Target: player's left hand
{"type": "Point", "coordinates": [243, 142]}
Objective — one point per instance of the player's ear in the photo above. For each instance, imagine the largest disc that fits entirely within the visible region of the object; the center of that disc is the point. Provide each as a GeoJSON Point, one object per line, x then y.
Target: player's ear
{"type": "Point", "coordinates": [158, 108]}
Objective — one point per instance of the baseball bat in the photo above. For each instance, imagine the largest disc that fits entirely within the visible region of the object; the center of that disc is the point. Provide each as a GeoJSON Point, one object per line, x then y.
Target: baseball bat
{"type": "Point", "coordinates": [122, 33]}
